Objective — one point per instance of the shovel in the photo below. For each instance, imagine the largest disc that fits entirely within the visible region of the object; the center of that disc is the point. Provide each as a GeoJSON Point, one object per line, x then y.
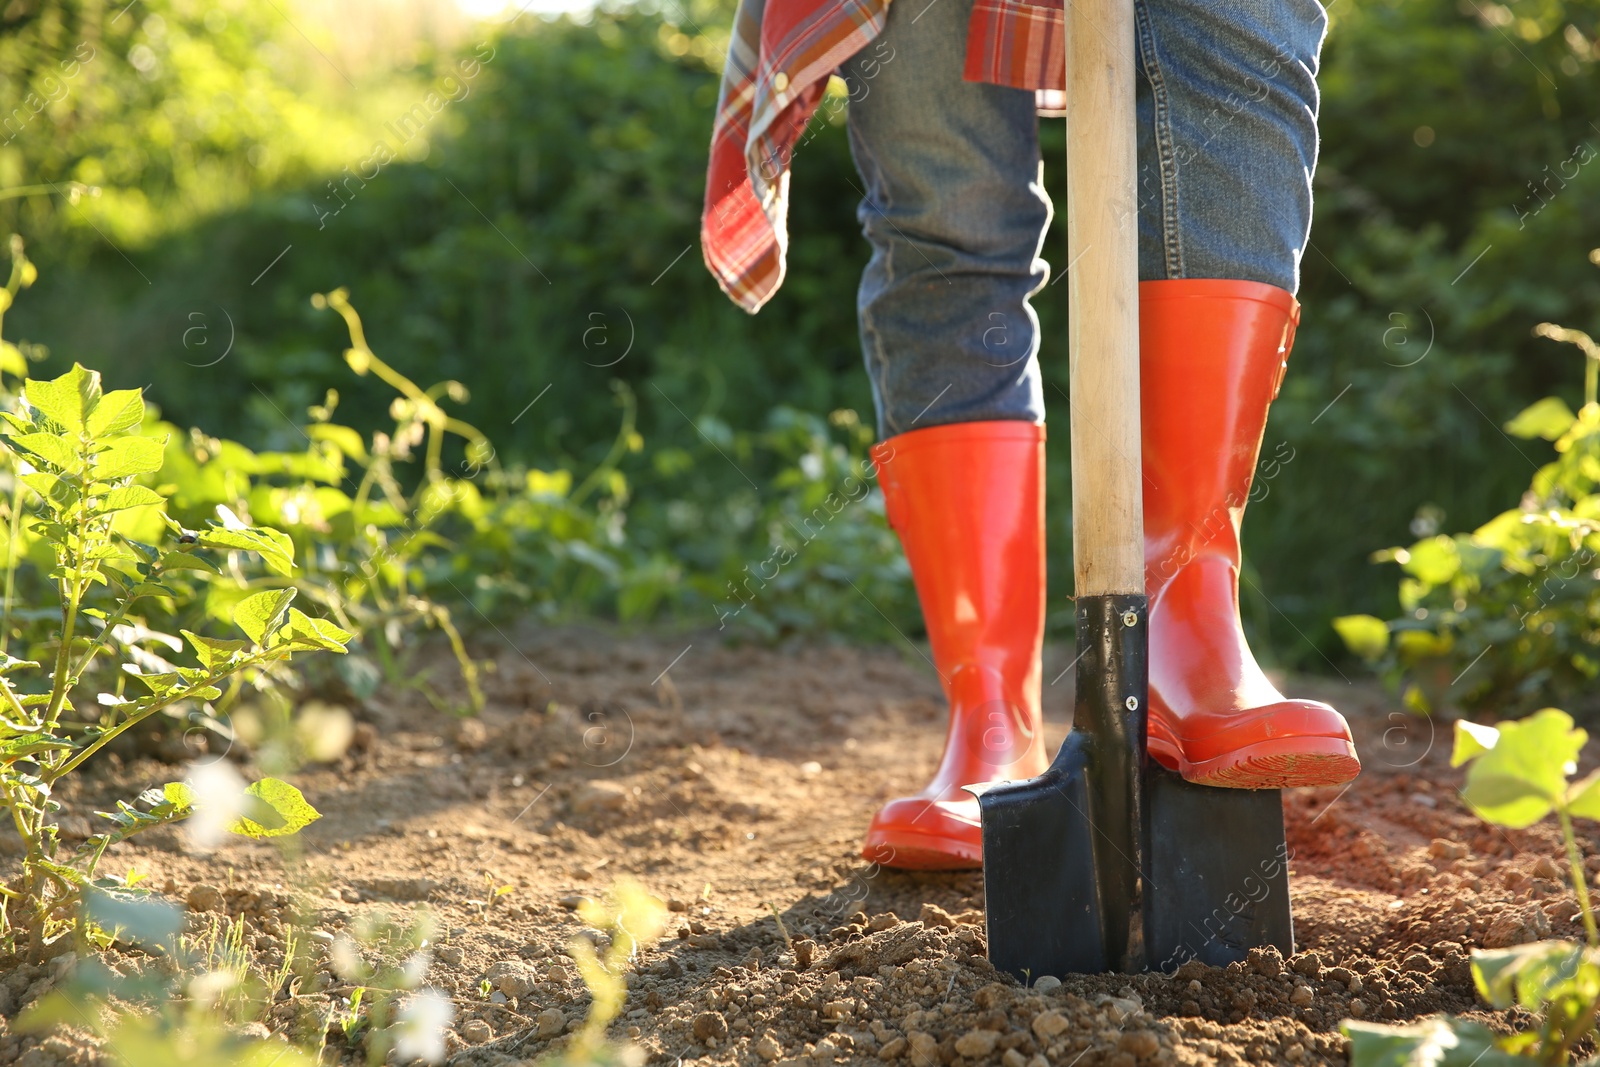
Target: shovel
{"type": "Point", "coordinates": [1107, 861]}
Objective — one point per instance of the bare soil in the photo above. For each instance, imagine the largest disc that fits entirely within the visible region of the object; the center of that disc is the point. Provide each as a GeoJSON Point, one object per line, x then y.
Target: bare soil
{"type": "Point", "coordinates": [738, 784]}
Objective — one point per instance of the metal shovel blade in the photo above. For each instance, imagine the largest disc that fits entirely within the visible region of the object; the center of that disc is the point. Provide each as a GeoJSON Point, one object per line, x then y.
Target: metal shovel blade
{"type": "Point", "coordinates": [1040, 896]}
{"type": "Point", "coordinates": [1216, 872]}
{"type": "Point", "coordinates": [1061, 851]}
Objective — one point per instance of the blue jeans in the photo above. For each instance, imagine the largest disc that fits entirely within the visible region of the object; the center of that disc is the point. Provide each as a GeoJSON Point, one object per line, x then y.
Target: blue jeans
{"type": "Point", "coordinates": [955, 207]}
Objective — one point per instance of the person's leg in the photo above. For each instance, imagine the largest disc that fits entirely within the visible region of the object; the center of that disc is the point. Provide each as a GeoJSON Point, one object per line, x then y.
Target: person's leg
{"type": "Point", "coordinates": [954, 211]}
{"type": "Point", "coordinates": [1227, 105]}
{"type": "Point", "coordinates": [1228, 143]}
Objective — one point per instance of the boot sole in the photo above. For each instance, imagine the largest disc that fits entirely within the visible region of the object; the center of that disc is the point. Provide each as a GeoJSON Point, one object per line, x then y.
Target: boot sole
{"type": "Point", "coordinates": [910, 851]}
{"type": "Point", "coordinates": [1281, 763]}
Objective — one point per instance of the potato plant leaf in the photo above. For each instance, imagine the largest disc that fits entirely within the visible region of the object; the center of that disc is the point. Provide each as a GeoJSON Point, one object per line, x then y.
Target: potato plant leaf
{"type": "Point", "coordinates": [1526, 975]}
{"type": "Point", "coordinates": [130, 496]}
{"type": "Point", "coordinates": [215, 653]}
{"type": "Point", "coordinates": [126, 456]}
{"type": "Point", "coordinates": [1437, 1041]}
{"type": "Point", "coordinates": [260, 613]}
{"type": "Point", "coordinates": [67, 400]}
{"type": "Point", "coordinates": [278, 810]}
{"type": "Point", "coordinates": [53, 448]}
{"type": "Point", "coordinates": [275, 547]}
{"type": "Point", "coordinates": [1548, 418]}
{"type": "Point", "coordinates": [1521, 779]}
{"type": "Point", "coordinates": [118, 411]}
{"type": "Point", "coordinates": [1583, 799]}
{"type": "Point", "coordinates": [1472, 740]}
{"type": "Point", "coordinates": [313, 631]}
{"type": "Point", "coordinates": [1365, 635]}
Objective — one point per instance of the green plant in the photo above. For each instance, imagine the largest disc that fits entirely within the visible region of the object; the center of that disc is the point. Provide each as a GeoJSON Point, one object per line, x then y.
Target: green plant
{"type": "Point", "coordinates": [182, 1007]}
{"type": "Point", "coordinates": [385, 959]}
{"type": "Point", "coordinates": [231, 981]}
{"type": "Point", "coordinates": [1518, 775]}
{"type": "Point", "coordinates": [76, 455]}
{"type": "Point", "coordinates": [1523, 584]}
{"type": "Point", "coordinates": [631, 919]}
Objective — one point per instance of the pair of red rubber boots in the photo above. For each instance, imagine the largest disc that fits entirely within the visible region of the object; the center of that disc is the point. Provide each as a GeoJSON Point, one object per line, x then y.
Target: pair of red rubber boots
{"type": "Point", "coordinates": [967, 501]}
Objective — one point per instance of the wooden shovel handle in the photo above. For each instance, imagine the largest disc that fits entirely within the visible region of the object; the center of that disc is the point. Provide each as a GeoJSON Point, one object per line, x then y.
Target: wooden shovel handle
{"type": "Point", "coordinates": [1103, 284]}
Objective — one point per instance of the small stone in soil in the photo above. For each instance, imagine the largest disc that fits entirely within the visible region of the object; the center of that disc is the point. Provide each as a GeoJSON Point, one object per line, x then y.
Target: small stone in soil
{"type": "Point", "coordinates": [550, 1023]}
{"type": "Point", "coordinates": [205, 898]}
{"type": "Point", "coordinates": [1308, 964]}
{"type": "Point", "coordinates": [710, 1025]}
{"type": "Point", "coordinates": [768, 1048]}
{"type": "Point", "coordinates": [599, 796]}
{"type": "Point", "coordinates": [1140, 1043]}
{"type": "Point", "coordinates": [924, 1046]}
{"type": "Point", "coordinates": [476, 1031]}
{"type": "Point", "coordinates": [975, 1044]}
{"type": "Point", "coordinates": [1047, 983]}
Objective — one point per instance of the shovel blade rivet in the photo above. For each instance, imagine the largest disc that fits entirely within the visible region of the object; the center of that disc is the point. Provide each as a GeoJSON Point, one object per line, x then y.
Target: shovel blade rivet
{"type": "Point", "coordinates": [1132, 703]}
{"type": "Point", "coordinates": [1130, 618]}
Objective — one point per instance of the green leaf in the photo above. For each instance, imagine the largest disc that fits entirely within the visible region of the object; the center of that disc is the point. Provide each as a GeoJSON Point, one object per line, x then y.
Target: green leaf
{"type": "Point", "coordinates": [126, 456]}
{"type": "Point", "coordinates": [1472, 740]}
{"type": "Point", "coordinates": [56, 449]}
{"type": "Point", "coordinates": [1583, 799]}
{"type": "Point", "coordinates": [177, 561]}
{"type": "Point", "coordinates": [1519, 780]}
{"type": "Point", "coordinates": [1531, 975]}
{"type": "Point", "coordinates": [1434, 561]}
{"type": "Point", "coordinates": [276, 548]}
{"type": "Point", "coordinates": [139, 917]}
{"type": "Point", "coordinates": [281, 810]}
{"type": "Point", "coordinates": [1548, 418]}
{"type": "Point", "coordinates": [1365, 635]}
{"type": "Point", "coordinates": [213, 652]}
{"type": "Point", "coordinates": [9, 663]}
{"type": "Point", "coordinates": [179, 795]}
{"type": "Point", "coordinates": [31, 744]}
{"type": "Point", "coordinates": [12, 361]}
{"type": "Point", "coordinates": [318, 632]}
{"type": "Point", "coordinates": [344, 439]}
{"type": "Point", "coordinates": [53, 489]}
{"type": "Point", "coordinates": [129, 496]}
{"type": "Point", "coordinates": [118, 410]}
{"type": "Point", "coordinates": [161, 684]}
{"type": "Point", "coordinates": [259, 613]}
{"type": "Point", "coordinates": [1437, 1041]}
{"type": "Point", "coordinates": [67, 400]}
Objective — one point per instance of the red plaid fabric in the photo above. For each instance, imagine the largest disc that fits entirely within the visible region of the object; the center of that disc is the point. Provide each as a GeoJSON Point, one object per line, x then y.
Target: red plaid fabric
{"type": "Point", "coordinates": [775, 77]}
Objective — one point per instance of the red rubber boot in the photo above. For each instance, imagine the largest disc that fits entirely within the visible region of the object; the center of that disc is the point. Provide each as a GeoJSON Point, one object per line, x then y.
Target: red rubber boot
{"type": "Point", "coordinates": [967, 500]}
{"type": "Point", "coordinates": [1212, 355]}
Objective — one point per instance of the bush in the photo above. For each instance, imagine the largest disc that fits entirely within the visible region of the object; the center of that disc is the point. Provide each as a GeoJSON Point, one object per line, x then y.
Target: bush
{"type": "Point", "coordinates": [554, 232]}
{"type": "Point", "coordinates": [1521, 586]}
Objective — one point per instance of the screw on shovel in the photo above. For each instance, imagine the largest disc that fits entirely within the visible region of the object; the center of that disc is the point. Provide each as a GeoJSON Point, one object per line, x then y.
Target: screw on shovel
{"type": "Point", "coordinates": [1107, 861]}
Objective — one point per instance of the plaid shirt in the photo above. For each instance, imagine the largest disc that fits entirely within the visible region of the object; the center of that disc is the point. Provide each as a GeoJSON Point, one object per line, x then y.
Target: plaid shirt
{"type": "Point", "coordinates": [776, 75]}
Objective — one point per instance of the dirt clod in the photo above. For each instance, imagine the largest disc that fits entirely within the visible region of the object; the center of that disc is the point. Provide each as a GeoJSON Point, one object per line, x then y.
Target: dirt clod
{"type": "Point", "coordinates": [710, 1025]}
{"type": "Point", "coordinates": [205, 898]}
{"type": "Point", "coordinates": [550, 1022]}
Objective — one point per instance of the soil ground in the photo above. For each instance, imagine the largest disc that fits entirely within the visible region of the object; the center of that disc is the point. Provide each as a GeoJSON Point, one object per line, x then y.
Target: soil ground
{"type": "Point", "coordinates": [737, 784]}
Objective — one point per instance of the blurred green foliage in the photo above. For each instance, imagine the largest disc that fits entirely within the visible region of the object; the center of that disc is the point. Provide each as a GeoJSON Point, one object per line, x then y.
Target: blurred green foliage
{"type": "Point", "coordinates": [1507, 616]}
{"type": "Point", "coordinates": [534, 236]}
